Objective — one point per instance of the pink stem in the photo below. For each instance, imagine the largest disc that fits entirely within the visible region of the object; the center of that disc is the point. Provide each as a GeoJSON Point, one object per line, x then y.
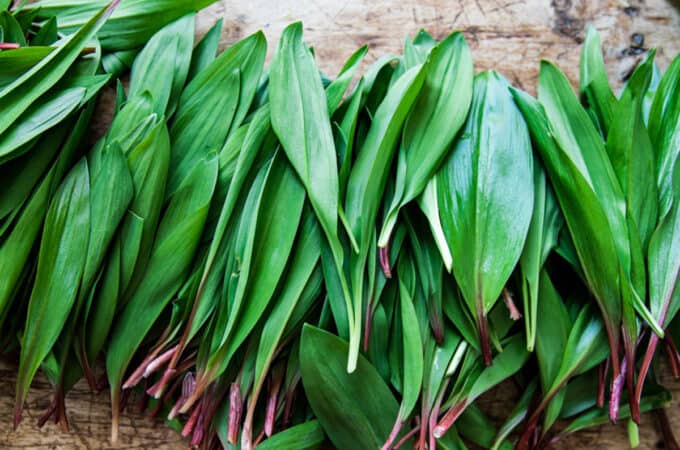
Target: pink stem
{"type": "Point", "coordinates": [191, 422]}
{"type": "Point", "coordinates": [159, 361]}
{"type": "Point", "coordinates": [510, 304]}
{"type": "Point", "coordinates": [406, 437]}
{"type": "Point", "coordinates": [271, 404]}
{"type": "Point", "coordinates": [235, 409]}
{"type": "Point", "coordinates": [449, 419]}
{"type": "Point", "coordinates": [384, 256]}
{"type": "Point", "coordinates": [617, 388]}
{"type": "Point", "coordinates": [602, 370]}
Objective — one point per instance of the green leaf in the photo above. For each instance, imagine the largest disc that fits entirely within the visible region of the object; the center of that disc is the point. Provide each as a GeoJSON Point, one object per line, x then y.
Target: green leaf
{"type": "Point", "coordinates": [15, 62]}
{"type": "Point", "coordinates": [598, 416]}
{"type": "Point", "coordinates": [632, 155]}
{"type": "Point", "coordinates": [49, 111]}
{"type": "Point", "coordinates": [130, 27]}
{"type": "Point", "coordinates": [302, 267]}
{"type": "Point", "coordinates": [205, 52]}
{"type": "Point", "coordinates": [356, 409]}
{"type": "Point", "coordinates": [61, 262]}
{"type": "Point", "coordinates": [111, 191]}
{"type": "Point", "coordinates": [594, 83]}
{"type": "Point", "coordinates": [584, 215]}
{"type": "Point", "coordinates": [11, 29]}
{"type": "Point", "coordinates": [163, 65]}
{"type": "Point", "coordinates": [486, 196]}
{"type": "Point", "coordinates": [546, 223]}
{"type": "Point", "coordinates": [48, 33]}
{"type": "Point", "coordinates": [303, 273]}
{"type": "Point", "coordinates": [269, 241]}
{"type": "Point", "coordinates": [413, 355]}
{"type": "Point", "coordinates": [664, 261]}
{"type": "Point", "coordinates": [306, 436]}
{"type": "Point", "coordinates": [367, 181]}
{"type": "Point", "coordinates": [173, 250]}
{"type": "Point", "coordinates": [431, 126]}
{"type": "Point", "coordinates": [223, 89]}
{"type": "Point", "coordinates": [552, 332]}
{"type": "Point", "coordinates": [336, 90]}
{"type": "Point", "coordinates": [664, 131]}
{"type": "Point", "coordinates": [15, 249]}
{"type": "Point", "coordinates": [18, 96]}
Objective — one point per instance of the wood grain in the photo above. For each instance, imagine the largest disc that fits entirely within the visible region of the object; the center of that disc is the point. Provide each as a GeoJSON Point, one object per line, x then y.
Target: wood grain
{"type": "Point", "coordinates": [510, 36]}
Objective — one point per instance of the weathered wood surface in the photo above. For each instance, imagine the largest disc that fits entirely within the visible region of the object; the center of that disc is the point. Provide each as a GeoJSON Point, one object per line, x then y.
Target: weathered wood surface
{"type": "Point", "coordinates": [510, 36]}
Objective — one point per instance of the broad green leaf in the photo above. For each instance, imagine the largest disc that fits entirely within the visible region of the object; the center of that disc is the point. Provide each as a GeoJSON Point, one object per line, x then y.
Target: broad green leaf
{"type": "Point", "coordinates": [300, 118]}
{"type": "Point", "coordinates": [15, 249]}
{"type": "Point", "coordinates": [224, 89]}
{"type": "Point", "coordinates": [11, 29]}
{"type": "Point", "coordinates": [477, 428]}
{"type": "Point", "coordinates": [163, 65]}
{"type": "Point", "coordinates": [99, 317]}
{"type": "Point", "coordinates": [22, 174]}
{"type": "Point", "coordinates": [664, 131]}
{"type": "Point", "coordinates": [48, 33]}
{"type": "Point", "coordinates": [486, 197]}
{"type": "Point", "coordinates": [431, 126]}
{"type": "Point", "coordinates": [173, 250]}
{"type": "Point", "coordinates": [15, 62]}
{"type": "Point", "coordinates": [583, 213]}
{"type": "Point", "coordinates": [474, 379]}
{"type": "Point", "coordinates": [306, 436]}
{"type": "Point", "coordinates": [367, 181]}
{"type": "Point", "coordinates": [413, 355]}
{"type": "Point", "coordinates": [130, 27]}
{"type": "Point", "coordinates": [148, 162]}
{"type": "Point", "coordinates": [598, 416]}
{"type": "Point", "coordinates": [205, 52]}
{"type": "Point", "coordinates": [17, 97]}
{"type": "Point", "coordinates": [664, 261]}
{"type": "Point", "coordinates": [355, 409]}
{"type": "Point", "coordinates": [594, 83]}
{"type": "Point", "coordinates": [552, 332]}
{"type": "Point", "coordinates": [303, 263]}
{"type": "Point", "coordinates": [632, 155]}
{"type": "Point", "coordinates": [61, 262]}
{"type": "Point", "coordinates": [111, 191]}
{"type": "Point", "coordinates": [546, 223]}
{"type": "Point", "coordinates": [303, 266]}
{"type": "Point", "coordinates": [271, 236]}
{"type": "Point", "coordinates": [49, 111]}
{"type": "Point", "coordinates": [336, 90]}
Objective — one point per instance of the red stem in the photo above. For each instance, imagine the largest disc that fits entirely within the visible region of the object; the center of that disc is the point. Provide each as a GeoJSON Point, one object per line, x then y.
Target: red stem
{"type": "Point", "coordinates": [602, 370]}
{"type": "Point", "coordinates": [630, 380]}
{"type": "Point", "coordinates": [270, 415]}
{"type": "Point", "coordinates": [191, 422]}
{"type": "Point", "coordinates": [235, 409]}
{"type": "Point", "coordinates": [449, 419]}
{"type": "Point", "coordinates": [384, 256]}
{"type": "Point", "coordinates": [617, 388]}
{"type": "Point", "coordinates": [484, 338]}
{"type": "Point", "coordinates": [406, 437]}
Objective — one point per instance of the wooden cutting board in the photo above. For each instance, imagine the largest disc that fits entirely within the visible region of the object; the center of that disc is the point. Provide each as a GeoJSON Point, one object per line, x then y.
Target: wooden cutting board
{"type": "Point", "coordinates": [510, 36]}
